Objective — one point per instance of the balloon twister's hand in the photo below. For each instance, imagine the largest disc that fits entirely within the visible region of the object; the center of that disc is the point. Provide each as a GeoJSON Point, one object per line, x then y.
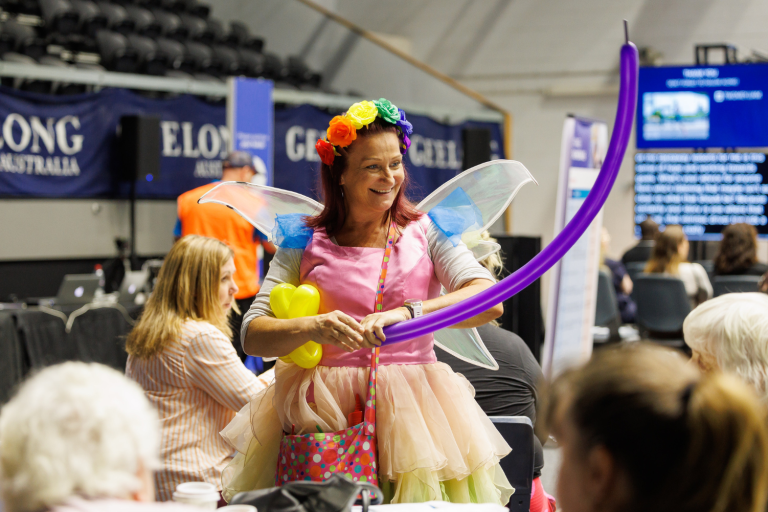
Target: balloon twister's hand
{"type": "Point", "coordinates": [373, 325]}
{"type": "Point", "coordinates": [339, 329]}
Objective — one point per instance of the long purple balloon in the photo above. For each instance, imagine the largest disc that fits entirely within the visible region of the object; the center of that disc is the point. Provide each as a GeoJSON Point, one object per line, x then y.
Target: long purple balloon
{"type": "Point", "coordinates": [543, 261]}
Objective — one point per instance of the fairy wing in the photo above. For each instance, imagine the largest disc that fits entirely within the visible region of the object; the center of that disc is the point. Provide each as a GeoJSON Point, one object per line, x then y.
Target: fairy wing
{"type": "Point", "coordinates": [465, 344]}
{"type": "Point", "coordinates": [471, 202]}
{"type": "Point", "coordinates": [260, 205]}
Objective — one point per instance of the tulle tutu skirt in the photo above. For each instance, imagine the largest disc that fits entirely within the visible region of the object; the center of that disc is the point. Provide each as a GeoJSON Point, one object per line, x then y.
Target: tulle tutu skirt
{"type": "Point", "coordinates": [434, 441]}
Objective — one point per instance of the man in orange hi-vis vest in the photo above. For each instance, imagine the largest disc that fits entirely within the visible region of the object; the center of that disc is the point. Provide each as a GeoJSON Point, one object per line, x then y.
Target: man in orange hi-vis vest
{"type": "Point", "coordinates": [218, 221]}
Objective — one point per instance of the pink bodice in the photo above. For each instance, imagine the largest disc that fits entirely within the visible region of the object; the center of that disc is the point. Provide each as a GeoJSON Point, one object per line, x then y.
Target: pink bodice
{"type": "Point", "coordinates": [347, 277]}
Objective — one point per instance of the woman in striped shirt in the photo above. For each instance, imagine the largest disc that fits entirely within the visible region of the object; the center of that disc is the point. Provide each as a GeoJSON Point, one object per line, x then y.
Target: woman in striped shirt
{"type": "Point", "coordinates": [181, 354]}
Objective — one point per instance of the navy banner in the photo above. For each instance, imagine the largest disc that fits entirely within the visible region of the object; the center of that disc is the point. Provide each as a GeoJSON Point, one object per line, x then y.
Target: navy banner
{"type": "Point", "coordinates": [64, 146]}
{"type": "Point", "coordinates": [434, 157]}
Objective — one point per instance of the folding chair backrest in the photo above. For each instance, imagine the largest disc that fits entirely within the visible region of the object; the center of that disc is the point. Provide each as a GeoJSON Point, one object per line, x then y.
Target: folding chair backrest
{"type": "Point", "coordinates": [662, 303]}
{"type": "Point", "coordinates": [735, 284]}
{"type": "Point", "coordinates": [517, 431]}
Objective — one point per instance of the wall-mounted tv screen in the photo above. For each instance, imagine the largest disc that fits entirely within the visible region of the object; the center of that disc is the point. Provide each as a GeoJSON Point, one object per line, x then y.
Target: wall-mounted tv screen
{"type": "Point", "coordinates": [704, 192]}
{"type": "Point", "coordinates": [703, 107]}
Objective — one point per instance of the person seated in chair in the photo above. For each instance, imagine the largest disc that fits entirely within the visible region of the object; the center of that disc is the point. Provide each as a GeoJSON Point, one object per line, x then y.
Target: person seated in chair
{"type": "Point", "coordinates": [737, 252]}
{"type": "Point", "coordinates": [670, 255]}
{"type": "Point", "coordinates": [641, 252]}
{"type": "Point", "coordinates": [512, 389]}
{"type": "Point", "coordinates": [80, 437]}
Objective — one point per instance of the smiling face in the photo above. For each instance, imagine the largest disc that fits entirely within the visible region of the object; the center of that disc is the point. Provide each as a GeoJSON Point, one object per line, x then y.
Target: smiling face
{"type": "Point", "coordinates": [227, 286]}
{"type": "Point", "coordinates": [374, 174]}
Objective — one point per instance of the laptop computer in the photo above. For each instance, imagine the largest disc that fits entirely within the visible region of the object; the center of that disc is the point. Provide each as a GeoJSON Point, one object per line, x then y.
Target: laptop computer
{"type": "Point", "coordinates": [77, 289]}
{"type": "Point", "coordinates": [133, 283]}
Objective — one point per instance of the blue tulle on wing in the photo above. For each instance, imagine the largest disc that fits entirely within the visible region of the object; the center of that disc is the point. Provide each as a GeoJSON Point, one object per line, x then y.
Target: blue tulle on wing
{"type": "Point", "coordinates": [456, 214]}
{"type": "Point", "coordinates": [291, 231]}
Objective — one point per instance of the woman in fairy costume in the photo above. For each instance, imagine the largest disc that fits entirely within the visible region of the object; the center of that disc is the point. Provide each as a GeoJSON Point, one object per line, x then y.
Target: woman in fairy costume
{"type": "Point", "coordinates": [434, 441]}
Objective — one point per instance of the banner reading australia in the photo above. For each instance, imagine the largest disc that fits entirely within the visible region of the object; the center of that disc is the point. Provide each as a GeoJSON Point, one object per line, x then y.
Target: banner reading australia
{"type": "Point", "coordinates": [59, 146]}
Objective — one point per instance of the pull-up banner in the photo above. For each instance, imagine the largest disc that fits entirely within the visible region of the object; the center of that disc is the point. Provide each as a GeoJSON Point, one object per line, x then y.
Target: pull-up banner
{"type": "Point", "coordinates": [64, 146]}
{"type": "Point", "coordinates": [573, 286]}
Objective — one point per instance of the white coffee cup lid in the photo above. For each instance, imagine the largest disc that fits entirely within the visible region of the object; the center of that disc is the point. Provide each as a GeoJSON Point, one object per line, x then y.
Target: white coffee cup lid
{"type": "Point", "coordinates": [196, 488]}
{"type": "Point", "coordinates": [240, 508]}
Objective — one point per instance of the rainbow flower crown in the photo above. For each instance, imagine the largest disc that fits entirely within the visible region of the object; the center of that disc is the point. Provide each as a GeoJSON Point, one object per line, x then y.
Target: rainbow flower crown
{"type": "Point", "coordinates": [342, 130]}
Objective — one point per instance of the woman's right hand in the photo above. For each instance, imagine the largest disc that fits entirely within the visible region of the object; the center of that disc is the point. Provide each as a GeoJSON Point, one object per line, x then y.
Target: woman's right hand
{"type": "Point", "coordinates": [338, 329]}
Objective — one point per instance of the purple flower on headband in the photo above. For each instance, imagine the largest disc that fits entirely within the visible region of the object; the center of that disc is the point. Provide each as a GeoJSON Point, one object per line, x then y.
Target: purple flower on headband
{"type": "Point", "coordinates": [405, 144]}
{"type": "Point", "coordinates": [404, 125]}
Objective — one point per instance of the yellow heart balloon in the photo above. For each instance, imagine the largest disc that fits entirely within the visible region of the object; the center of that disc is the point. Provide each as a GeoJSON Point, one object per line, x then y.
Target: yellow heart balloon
{"type": "Point", "coordinates": [288, 301]}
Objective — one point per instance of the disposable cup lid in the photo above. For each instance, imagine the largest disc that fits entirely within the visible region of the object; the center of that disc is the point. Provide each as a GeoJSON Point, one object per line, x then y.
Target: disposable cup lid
{"type": "Point", "coordinates": [196, 489]}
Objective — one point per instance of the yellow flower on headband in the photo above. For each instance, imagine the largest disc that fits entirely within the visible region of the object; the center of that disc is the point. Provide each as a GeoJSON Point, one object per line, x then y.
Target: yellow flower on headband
{"type": "Point", "coordinates": [362, 114]}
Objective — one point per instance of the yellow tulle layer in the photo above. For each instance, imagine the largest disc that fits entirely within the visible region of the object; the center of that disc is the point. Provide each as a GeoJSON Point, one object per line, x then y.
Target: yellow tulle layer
{"type": "Point", "coordinates": [434, 441]}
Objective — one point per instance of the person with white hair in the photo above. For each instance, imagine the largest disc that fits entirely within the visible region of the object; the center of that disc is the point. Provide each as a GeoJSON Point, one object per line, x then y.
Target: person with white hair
{"type": "Point", "coordinates": [730, 333]}
{"type": "Point", "coordinates": [80, 437]}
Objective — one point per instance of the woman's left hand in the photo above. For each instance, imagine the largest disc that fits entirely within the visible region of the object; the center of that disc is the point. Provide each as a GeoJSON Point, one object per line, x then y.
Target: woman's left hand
{"type": "Point", "coordinates": [373, 325]}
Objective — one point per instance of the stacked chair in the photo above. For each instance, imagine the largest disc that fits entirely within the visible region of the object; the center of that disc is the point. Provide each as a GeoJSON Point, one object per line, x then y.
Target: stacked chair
{"type": "Point", "coordinates": [176, 38]}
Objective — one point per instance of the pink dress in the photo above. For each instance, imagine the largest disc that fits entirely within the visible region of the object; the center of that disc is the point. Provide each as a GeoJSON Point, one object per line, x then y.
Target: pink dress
{"type": "Point", "coordinates": [435, 443]}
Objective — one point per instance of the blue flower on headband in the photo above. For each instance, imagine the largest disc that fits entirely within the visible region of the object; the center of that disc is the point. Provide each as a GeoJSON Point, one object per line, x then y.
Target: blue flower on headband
{"type": "Point", "coordinates": [404, 125]}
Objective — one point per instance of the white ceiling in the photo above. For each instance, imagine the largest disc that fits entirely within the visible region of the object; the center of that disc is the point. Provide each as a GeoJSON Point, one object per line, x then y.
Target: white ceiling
{"type": "Point", "coordinates": [503, 48]}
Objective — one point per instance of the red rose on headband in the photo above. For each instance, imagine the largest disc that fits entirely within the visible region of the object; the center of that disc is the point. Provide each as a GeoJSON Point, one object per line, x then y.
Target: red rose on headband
{"type": "Point", "coordinates": [325, 151]}
{"type": "Point", "coordinates": [341, 132]}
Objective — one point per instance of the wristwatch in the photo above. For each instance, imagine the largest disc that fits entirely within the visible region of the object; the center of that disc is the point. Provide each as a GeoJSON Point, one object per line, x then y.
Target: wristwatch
{"type": "Point", "coordinates": [414, 307]}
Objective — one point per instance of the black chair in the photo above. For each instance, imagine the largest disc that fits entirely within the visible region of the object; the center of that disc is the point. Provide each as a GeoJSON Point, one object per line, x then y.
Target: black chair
{"type": "Point", "coordinates": [227, 60]}
{"type": "Point", "coordinates": [607, 307]}
{"type": "Point", "coordinates": [116, 53]}
{"type": "Point", "coordinates": [25, 84]}
{"type": "Point", "coordinates": [91, 18]}
{"type": "Point", "coordinates": [175, 54]}
{"type": "Point", "coordinates": [117, 18]}
{"type": "Point", "coordinates": [274, 68]}
{"type": "Point", "coordinates": [662, 305]}
{"type": "Point", "coordinates": [735, 284]}
{"type": "Point", "coordinates": [252, 64]}
{"type": "Point", "coordinates": [25, 39]}
{"type": "Point", "coordinates": [196, 27]}
{"type": "Point", "coordinates": [99, 335]}
{"type": "Point", "coordinates": [11, 357]}
{"type": "Point", "coordinates": [44, 339]}
{"type": "Point", "coordinates": [62, 88]}
{"type": "Point", "coordinates": [215, 33]}
{"type": "Point", "coordinates": [151, 61]}
{"type": "Point", "coordinates": [60, 16]}
{"type": "Point", "coordinates": [635, 268]}
{"type": "Point", "coordinates": [170, 25]}
{"type": "Point", "coordinates": [144, 21]}
{"type": "Point", "coordinates": [201, 55]}
{"type": "Point", "coordinates": [517, 431]}
{"type": "Point", "coordinates": [197, 9]}
{"type": "Point", "coordinates": [240, 37]}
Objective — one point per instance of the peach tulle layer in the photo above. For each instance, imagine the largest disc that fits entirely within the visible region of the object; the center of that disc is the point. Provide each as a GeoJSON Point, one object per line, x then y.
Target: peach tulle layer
{"type": "Point", "coordinates": [434, 441]}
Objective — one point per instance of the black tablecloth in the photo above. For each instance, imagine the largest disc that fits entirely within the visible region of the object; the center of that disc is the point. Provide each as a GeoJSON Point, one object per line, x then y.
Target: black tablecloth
{"type": "Point", "coordinates": [33, 338]}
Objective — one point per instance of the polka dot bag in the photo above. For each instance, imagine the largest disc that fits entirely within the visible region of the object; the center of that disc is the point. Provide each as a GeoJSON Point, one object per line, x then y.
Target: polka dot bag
{"type": "Point", "coordinates": [350, 452]}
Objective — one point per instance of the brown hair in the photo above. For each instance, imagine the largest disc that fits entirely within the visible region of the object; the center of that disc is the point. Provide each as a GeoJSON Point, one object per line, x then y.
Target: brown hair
{"type": "Point", "coordinates": [666, 251]}
{"type": "Point", "coordinates": [334, 211]}
{"type": "Point", "coordinates": [649, 230]}
{"type": "Point", "coordinates": [187, 289]}
{"type": "Point", "coordinates": [687, 442]}
{"type": "Point", "coordinates": [738, 249]}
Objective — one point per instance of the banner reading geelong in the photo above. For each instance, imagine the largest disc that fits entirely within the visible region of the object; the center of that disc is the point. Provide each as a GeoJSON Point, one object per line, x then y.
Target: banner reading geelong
{"type": "Point", "coordinates": [64, 146]}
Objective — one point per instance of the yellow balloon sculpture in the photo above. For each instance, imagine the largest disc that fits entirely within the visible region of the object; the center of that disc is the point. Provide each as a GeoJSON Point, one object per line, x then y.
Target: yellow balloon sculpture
{"type": "Point", "coordinates": [287, 301]}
